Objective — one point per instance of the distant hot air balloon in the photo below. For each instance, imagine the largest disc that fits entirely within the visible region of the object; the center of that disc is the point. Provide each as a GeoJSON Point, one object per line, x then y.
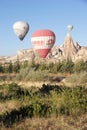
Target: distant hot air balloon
{"type": "Point", "coordinates": [21, 29]}
{"type": "Point", "coordinates": [70, 27]}
{"type": "Point", "coordinates": [43, 41]}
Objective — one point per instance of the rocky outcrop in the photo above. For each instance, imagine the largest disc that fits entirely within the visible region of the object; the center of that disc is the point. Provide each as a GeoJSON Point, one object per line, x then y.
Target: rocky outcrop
{"type": "Point", "coordinates": [69, 49]}
{"type": "Point", "coordinates": [77, 46]}
{"type": "Point", "coordinates": [82, 54]}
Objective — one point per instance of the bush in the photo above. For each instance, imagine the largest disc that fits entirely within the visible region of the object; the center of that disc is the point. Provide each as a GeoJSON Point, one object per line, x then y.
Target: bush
{"type": "Point", "coordinates": [80, 66]}
{"type": "Point", "coordinates": [76, 78]}
{"type": "Point", "coordinates": [37, 75]}
{"type": "Point", "coordinates": [67, 66]}
{"type": "Point", "coordinates": [50, 100]}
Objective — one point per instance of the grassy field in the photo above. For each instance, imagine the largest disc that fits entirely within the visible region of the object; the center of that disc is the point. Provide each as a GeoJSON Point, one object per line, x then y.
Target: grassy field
{"type": "Point", "coordinates": [59, 123]}
{"type": "Point", "coordinates": [43, 96]}
{"type": "Point", "coordinates": [48, 107]}
{"type": "Point", "coordinates": [42, 100]}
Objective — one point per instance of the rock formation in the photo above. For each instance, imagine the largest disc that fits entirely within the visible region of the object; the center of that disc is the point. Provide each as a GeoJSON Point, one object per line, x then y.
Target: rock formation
{"type": "Point", "coordinates": [69, 49]}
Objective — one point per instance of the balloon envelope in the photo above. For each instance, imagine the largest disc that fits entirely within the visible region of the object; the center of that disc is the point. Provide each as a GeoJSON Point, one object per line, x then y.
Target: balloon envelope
{"type": "Point", "coordinates": [21, 29]}
{"type": "Point", "coordinates": [43, 41]}
{"type": "Point", "coordinates": [70, 27]}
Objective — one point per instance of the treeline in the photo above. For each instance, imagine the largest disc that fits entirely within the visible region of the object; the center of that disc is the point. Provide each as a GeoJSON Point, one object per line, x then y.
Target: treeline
{"type": "Point", "coordinates": [10, 67]}
{"type": "Point", "coordinates": [66, 66]}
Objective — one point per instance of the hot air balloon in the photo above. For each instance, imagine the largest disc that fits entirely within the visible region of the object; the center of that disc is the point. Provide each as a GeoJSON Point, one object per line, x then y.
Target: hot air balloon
{"type": "Point", "coordinates": [70, 27]}
{"type": "Point", "coordinates": [20, 29]}
{"type": "Point", "coordinates": [43, 40]}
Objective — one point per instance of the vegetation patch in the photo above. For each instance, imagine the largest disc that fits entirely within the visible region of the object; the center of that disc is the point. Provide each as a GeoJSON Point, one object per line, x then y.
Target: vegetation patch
{"type": "Point", "coordinates": [47, 101]}
{"type": "Point", "coordinates": [76, 78]}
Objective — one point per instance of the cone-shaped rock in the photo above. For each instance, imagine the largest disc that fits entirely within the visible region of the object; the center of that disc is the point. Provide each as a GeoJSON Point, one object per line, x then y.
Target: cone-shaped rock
{"type": "Point", "coordinates": [69, 49]}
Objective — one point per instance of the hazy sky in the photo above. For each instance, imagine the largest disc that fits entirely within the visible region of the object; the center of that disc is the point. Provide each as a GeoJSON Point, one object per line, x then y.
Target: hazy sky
{"type": "Point", "coordinates": [41, 14]}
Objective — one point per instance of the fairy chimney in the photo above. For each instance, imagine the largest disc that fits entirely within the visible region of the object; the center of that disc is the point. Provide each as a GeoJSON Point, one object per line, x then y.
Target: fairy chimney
{"type": "Point", "coordinates": [69, 49]}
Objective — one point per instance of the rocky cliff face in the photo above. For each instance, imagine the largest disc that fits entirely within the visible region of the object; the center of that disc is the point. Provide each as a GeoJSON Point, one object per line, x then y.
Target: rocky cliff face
{"type": "Point", "coordinates": [69, 49]}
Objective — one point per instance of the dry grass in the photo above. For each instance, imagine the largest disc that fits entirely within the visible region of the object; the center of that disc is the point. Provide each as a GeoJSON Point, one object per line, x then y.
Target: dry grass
{"type": "Point", "coordinates": [76, 80]}
{"type": "Point", "coordinates": [60, 123]}
{"type": "Point", "coordinates": [7, 106]}
{"type": "Point", "coordinates": [53, 123]}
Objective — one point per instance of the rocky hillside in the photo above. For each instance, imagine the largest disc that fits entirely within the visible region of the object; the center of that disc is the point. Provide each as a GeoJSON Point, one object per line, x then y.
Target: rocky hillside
{"type": "Point", "coordinates": [69, 49]}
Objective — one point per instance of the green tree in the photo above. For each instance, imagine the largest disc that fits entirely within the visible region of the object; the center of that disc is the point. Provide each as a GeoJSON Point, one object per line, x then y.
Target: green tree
{"type": "Point", "coordinates": [24, 64]}
{"type": "Point", "coordinates": [67, 66]}
{"type": "Point", "coordinates": [1, 68]}
{"type": "Point", "coordinates": [80, 66]}
{"type": "Point", "coordinates": [16, 66]}
{"type": "Point", "coordinates": [42, 66]}
{"type": "Point", "coordinates": [54, 68]}
{"type": "Point", "coordinates": [10, 67]}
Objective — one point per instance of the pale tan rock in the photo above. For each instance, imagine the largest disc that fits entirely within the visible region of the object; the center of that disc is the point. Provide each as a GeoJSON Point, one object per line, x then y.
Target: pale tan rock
{"type": "Point", "coordinates": [69, 49]}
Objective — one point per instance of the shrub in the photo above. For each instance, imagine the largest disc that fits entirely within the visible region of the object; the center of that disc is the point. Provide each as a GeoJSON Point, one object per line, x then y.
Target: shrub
{"type": "Point", "coordinates": [80, 66]}
{"type": "Point", "coordinates": [76, 78]}
{"type": "Point", "coordinates": [37, 76]}
{"type": "Point", "coordinates": [50, 100]}
{"type": "Point", "coordinates": [67, 66]}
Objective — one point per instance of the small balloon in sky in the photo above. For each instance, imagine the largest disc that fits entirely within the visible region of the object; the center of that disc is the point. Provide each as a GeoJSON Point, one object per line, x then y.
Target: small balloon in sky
{"type": "Point", "coordinates": [43, 40]}
{"type": "Point", "coordinates": [21, 28]}
{"type": "Point", "coordinates": [70, 27]}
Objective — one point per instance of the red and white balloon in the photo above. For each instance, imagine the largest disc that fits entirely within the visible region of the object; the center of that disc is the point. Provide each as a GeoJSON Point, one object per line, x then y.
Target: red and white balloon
{"type": "Point", "coordinates": [43, 41]}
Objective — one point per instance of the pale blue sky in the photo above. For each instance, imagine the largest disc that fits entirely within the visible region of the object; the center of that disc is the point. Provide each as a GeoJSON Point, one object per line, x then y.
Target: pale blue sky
{"type": "Point", "coordinates": [41, 14]}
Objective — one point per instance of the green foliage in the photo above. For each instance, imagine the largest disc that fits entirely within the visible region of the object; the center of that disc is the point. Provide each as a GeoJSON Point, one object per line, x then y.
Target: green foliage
{"type": "Point", "coordinates": [80, 66]}
{"type": "Point", "coordinates": [37, 76]}
{"type": "Point", "coordinates": [50, 100]}
{"type": "Point", "coordinates": [75, 100]}
{"type": "Point", "coordinates": [43, 66]}
{"type": "Point", "coordinates": [26, 71]}
{"type": "Point", "coordinates": [22, 74]}
{"type": "Point", "coordinates": [76, 78]}
{"type": "Point", "coordinates": [10, 67]}
{"type": "Point", "coordinates": [24, 64]}
{"type": "Point", "coordinates": [64, 66]}
{"type": "Point", "coordinates": [55, 67]}
{"type": "Point", "coordinates": [1, 68]}
{"type": "Point", "coordinates": [12, 91]}
{"type": "Point", "coordinates": [16, 67]}
{"type": "Point", "coordinates": [67, 66]}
